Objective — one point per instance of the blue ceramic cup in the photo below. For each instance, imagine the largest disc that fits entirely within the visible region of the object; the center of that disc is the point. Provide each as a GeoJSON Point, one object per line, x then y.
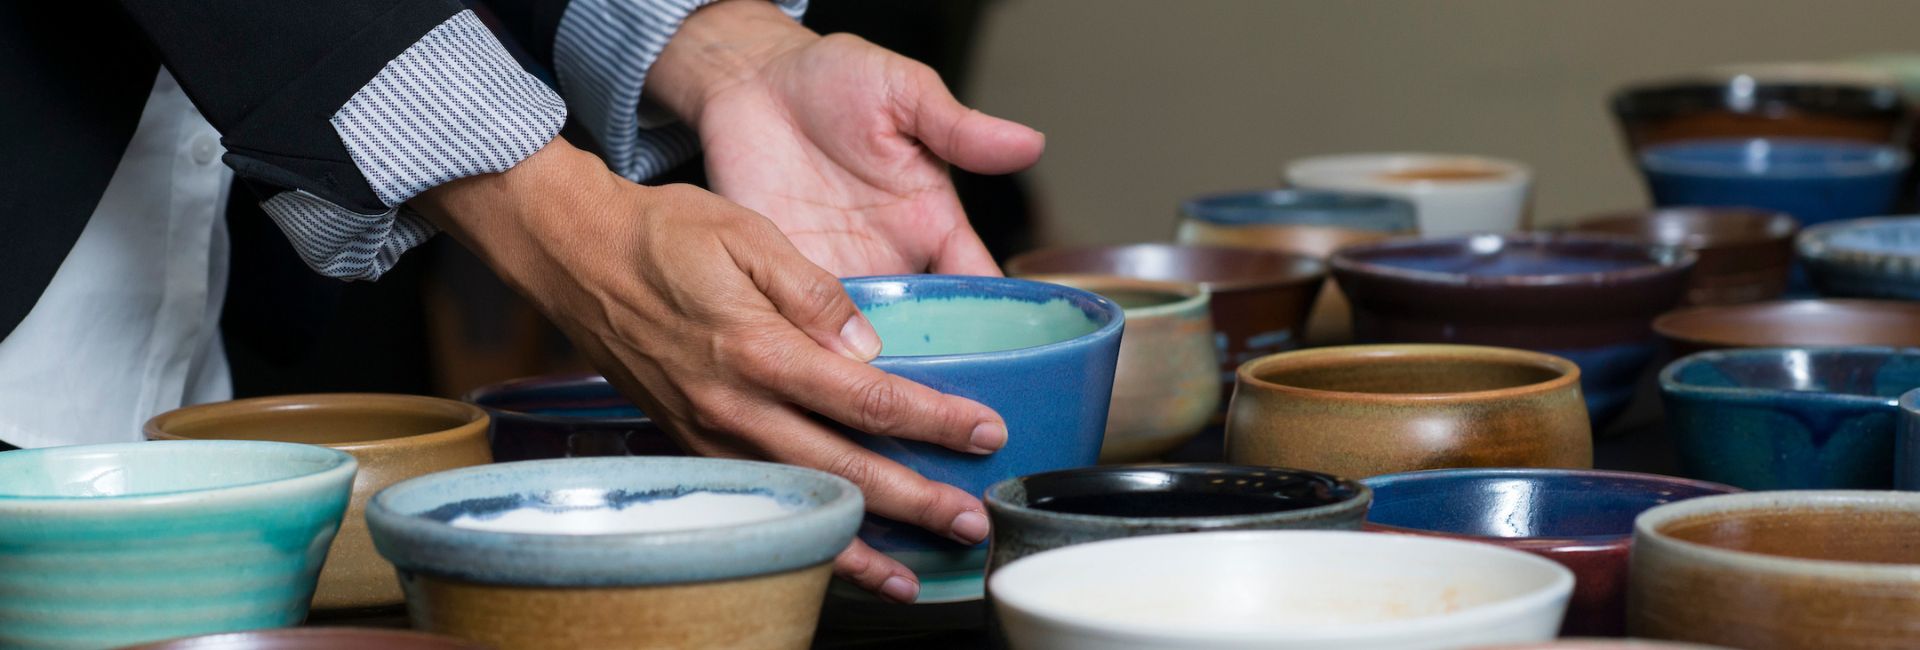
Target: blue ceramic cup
{"type": "Point", "coordinates": [1815, 180]}
{"type": "Point", "coordinates": [1041, 355]}
{"type": "Point", "coordinates": [1906, 454]}
{"type": "Point", "coordinates": [567, 416]}
{"type": "Point", "coordinates": [110, 545]}
{"type": "Point", "coordinates": [1789, 418]}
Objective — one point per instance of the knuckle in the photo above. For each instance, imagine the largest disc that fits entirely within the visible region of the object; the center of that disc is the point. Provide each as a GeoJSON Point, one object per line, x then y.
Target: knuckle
{"type": "Point", "coordinates": [720, 412]}
{"type": "Point", "coordinates": [854, 467]}
{"type": "Point", "coordinates": [880, 407]}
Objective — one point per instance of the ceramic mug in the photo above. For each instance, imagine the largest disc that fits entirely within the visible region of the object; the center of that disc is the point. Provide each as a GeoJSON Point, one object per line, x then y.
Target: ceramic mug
{"type": "Point", "coordinates": [1453, 194]}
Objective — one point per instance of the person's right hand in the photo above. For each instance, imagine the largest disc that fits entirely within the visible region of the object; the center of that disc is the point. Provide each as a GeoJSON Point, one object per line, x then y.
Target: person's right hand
{"type": "Point", "coordinates": [726, 334]}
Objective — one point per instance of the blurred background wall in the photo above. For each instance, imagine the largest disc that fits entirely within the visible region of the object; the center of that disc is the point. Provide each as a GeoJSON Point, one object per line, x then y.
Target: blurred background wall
{"type": "Point", "coordinates": [1146, 101]}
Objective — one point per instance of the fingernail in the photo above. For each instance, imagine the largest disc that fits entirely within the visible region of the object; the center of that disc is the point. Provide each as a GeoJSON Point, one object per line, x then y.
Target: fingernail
{"type": "Point", "coordinates": [858, 335]}
{"type": "Point", "coordinates": [900, 590]}
{"type": "Point", "coordinates": [988, 437]}
{"type": "Point", "coordinates": [970, 527]}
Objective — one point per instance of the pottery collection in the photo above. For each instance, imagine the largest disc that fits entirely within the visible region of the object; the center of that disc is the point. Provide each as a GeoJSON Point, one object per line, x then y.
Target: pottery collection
{"type": "Point", "coordinates": [1452, 194]}
{"type": "Point", "coordinates": [567, 416]}
{"type": "Point", "coordinates": [1745, 255]}
{"type": "Point", "coordinates": [1791, 323]}
{"type": "Point", "coordinates": [1865, 258]}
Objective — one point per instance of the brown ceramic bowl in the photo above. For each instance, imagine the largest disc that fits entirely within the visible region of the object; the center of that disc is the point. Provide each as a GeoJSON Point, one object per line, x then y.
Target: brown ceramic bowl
{"type": "Point", "coordinates": [1260, 298]}
{"type": "Point", "coordinates": [1745, 254]}
{"type": "Point", "coordinates": [1791, 323]}
{"type": "Point", "coordinates": [332, 638]}
{"type": "Point", "coordinates": [395, 437]}
{"type": "Point", "coordinates": [1362, 410]}
{"type": "Point", "coordinates": [1835, 570]}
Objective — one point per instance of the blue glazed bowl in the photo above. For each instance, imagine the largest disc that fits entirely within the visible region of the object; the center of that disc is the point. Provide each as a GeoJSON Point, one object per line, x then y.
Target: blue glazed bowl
{"type": "Point", "coordinates": [1906, 456]}
{"type": "Point", "coordinates": [1815, 180]}
{"type": "Point", "coordinates": [110, 545]}
{"type": "Point", "coordinates": [1789, 418]}
{"type": "Point", "coordinates": [1867, 258]}
{"type": "Point", "coordinates": [1041, 355]}
{"type": "Point", "coordinates": [567, 416]}
{"type": "Point", "coordinates": [1352, 211]}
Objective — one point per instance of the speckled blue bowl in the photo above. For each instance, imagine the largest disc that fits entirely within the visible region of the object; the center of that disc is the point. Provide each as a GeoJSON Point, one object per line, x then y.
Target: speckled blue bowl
{"type": "Point", "coordinates": [1866, 258]}
{"type": "Point", "coordinates": [110, 545]}
{"type": "Point", "coordinates": [1789, 418]}
{"type": "Point", "coordinates": [1815, 180]}
{"type": "Point", "coordinates": [1041, 355]}
{"type": "Point", "coordinates": [567, 416]}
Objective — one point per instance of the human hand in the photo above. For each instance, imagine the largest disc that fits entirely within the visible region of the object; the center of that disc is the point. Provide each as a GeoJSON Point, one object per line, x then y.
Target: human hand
{"type": "Point", "coordinates": [729, 336]}
{"type": "Point", "coordinates": [841, 143]}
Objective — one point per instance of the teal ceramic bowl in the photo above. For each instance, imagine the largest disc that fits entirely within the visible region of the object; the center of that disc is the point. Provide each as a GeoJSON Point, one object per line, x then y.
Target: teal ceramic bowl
{"type": "Point", "coordinates": [103, 546]}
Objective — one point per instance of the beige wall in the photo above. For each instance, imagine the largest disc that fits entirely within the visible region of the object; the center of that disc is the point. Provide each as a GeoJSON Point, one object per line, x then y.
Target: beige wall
{"type": "Point", "coordinates": [1146, 101]}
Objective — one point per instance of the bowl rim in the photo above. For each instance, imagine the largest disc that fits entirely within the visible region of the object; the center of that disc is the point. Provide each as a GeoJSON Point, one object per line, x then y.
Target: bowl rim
{"type": "Point", "coordinates": [1816, 242]}
{"type": "Point", "coordinates": [1248, 373]}
{"type": "Point", "coordinates": [476, 423]}
{"type": "Point", "coordinates": [1559, 542]}
{"type": "Point", "coordinates": [1679, 260]}
{"type": "Point", "coordinates": [552, 380]}
{"type": "Point", "coordinates": [1558, 588]}
{"type": "Point", "coordinates": [1191, 295]}
{"type": "Point", "coordinates": [1778, 226]}
{"type": "Point", "coordinates": [1885, 158]}
{"type": "Point", "coordinates": [1646, 530]}
{"type": "Point", "coordinates": [1111, 311]}
{"type": "Point", "coordinates": [1309, 168]}
{"type": "Point", "coordinates": [340, 467]}
{"type": "Point", "coordinates": [1670, 384]}
{"type": "Point", "coordinates": [275, 637]}
{"type": "Point", "coordinates": [1303, 269]}
{"type": "Point", "coordinates": [1397, 214]}
{"type": "Point", "coordinates": [1361, 497]}
{"type": "Point", "coordinates": [1665, 324]}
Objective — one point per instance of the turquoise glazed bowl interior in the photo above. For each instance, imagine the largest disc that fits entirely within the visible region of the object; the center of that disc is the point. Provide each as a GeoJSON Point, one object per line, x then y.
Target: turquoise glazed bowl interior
{"type": "Point", "coordinates": [1041, 355]}
{"type": "Point", "coordinates": [110, 545]}
{"type": "Point", "coordinates": [1789, 418]}
{"type": "Point", "coordinates": [565, 416]}
{"type": "Point", "coordinates": [1868, 258]}
{"type": "Point", "coordinates": [1370, 212]}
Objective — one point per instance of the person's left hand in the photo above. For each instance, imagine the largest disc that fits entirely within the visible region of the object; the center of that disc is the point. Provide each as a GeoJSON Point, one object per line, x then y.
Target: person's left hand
{"type": "Point", "coordinates": [841, 143]}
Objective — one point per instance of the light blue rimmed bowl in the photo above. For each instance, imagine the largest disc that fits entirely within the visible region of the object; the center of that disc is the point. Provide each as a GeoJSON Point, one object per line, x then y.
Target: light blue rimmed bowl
{"type": "Point", "coordinates": [1876, 257]}
{"type": "Point", "coordinates": [110, 545]}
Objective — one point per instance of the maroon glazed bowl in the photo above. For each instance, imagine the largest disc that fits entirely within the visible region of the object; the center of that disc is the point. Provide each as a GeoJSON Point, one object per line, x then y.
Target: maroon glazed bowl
{"type": "Point", "coordinates": [1745, 254]}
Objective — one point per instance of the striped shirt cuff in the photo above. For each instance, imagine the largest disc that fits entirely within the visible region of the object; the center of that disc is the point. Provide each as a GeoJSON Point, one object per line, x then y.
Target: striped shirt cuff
{"type": "Point", "coordinates": [454, 104]}
{"type": "Point", "coordinates": [601, 54]}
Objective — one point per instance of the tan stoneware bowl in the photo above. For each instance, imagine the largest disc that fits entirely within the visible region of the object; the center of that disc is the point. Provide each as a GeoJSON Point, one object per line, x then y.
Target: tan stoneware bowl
{"type": "Point", "coordinates": [1363, 410]}
{"type": "Point", "coordinates": [1164, 387]}
{"type": "Point", "coordinates": [1834, 570]}
{"type": "Point", "coordinates": [395, 437]}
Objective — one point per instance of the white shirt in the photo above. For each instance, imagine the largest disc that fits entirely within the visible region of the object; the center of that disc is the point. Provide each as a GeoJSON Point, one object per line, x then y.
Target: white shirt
{"type": "Point", "coordinates": [129, 326]}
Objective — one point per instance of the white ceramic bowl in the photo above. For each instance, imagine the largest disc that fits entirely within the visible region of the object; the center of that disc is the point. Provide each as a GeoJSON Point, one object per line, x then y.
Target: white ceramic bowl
{"type": "Point", "coordinates": [1327, 590]}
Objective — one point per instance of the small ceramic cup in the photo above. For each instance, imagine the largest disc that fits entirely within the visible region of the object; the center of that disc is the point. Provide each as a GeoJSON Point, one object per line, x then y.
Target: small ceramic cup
{"type": "Point", "coordinates": [103, 546]}
{"type": "Point", "coordinates": [1041, 512]}
{"type": "Point", "coordinates": [1789, 418]}
{"type": "Point", "coordinates": [322, 638]}
{"type": "Point", "coordinates": [1164, 387]}
{"type": "Point", "coordinates": [395, 437]}
{"type": "Point", "coordinates": [1453, 194]}
{"type": "Point", "coordinates": [567, 416]}
{"type": "Point", "coordinates": [1325, 590]}
{"type": "Point", "coordinates": [1906, 444]}
{"type": "Point", "coordinates": [1303, 222]}
{"type": "Point", "coordinates": [1815, 180]}
{"type": "Point", "coordinates": [1363, 410]}
{"type": "Point", "coordinates": [1866, 258]}
{"type": "Point", "coordinates": [1745, 254]}
{"type": "Point", "coordinates": [1041, 355]}
{"type": "Point", "coordinates": [618, 552]}
{"type": "Point", "coordinates": [1776, 570]}
{"type": "Point", "coordinates": [1791, 323]}
{"type": "Point", "coordinates": [1582, 519]}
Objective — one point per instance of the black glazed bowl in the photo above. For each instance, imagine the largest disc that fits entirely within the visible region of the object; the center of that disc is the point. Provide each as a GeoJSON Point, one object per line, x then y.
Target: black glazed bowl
{"type": "Point", "coordinates": [567, 416]}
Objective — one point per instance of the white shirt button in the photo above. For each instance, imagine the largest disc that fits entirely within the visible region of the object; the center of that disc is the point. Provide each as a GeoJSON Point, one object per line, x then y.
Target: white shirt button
{"type": "Point", "coordinates": [205, 150]}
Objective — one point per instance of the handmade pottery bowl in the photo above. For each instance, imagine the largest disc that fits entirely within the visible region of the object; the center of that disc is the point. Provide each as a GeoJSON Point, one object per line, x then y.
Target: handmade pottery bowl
{"type": "Point", "coordinates": [109, 545]}
{"type": "Point", "coordinates": [1745, 254]}
{"type": "Point", "coordinates": [1453, 194]}
{"type": "Point", "coordinates": [315, 639]}
{"type": "Point", "coordinates": [1764, 570]}
{"type": "Point", "coordinates": [1588, 298]}
{"type": "Point", "coordinates": [1249, 589]}
{"type": "Point", "coordinates": [1582, 519]}
{"type": "Point", "coordinates": [1164, 387]}
{"type": "Point", "coordinates": [1260, 298]}
{"type": "Point", "coordinates": [1760, 101]}
{"type": "Point", "coordinates": [1041, 355]}
{"type": "Point", "coordinates": [1041, 512]}
{"type": "Point", "coordinates": [618, 552]}
{"type": "Point", "coordinates": [395, 437]}
{"type": "Point", "coordinates": [1906, 444]}
{"type": "Point", "coordinates": [1814, 180]}
{"type": "Point", "coordinates": [1789, 418]}
{"type": "Point", "coordinates": [1868, 258]}
{"type": "Point", "coordinates": [1362, 410]}
{"type": "Point", "coordinates": [1304, 222]}
{"type": "Point", "coordinates": [1791, 323]}
{"type": "Point", "coordinates": [567, 416]}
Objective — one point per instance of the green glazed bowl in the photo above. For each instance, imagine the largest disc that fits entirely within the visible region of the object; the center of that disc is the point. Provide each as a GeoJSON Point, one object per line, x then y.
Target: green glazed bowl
{"type": "Point", "coordinates": [103, 546]}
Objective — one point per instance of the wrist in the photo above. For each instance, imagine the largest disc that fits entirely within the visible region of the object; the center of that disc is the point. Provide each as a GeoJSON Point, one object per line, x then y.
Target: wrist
{"type": "Point", "coordinates": [721, 45]}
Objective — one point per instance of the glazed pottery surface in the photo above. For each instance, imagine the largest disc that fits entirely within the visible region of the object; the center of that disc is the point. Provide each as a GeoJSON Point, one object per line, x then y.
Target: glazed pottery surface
{"type": "Point", "coordinates": [567, 416]}
{"type": "Point", "coordinates": [1759, 101]}
{"type": "Point", "coordinates": [1041, 355]}
{"type": "Point", "coordinates": [1745, 255]}
{"type": "Point", "coordinates": [1305, 222]}
{"type": "Point", "coordinates": [1814, 180]}
{"type": "Point", "coordinates": [1452, 194]}
{"type": "Point", "coordinates": [1604, 644]}
{"type": "Point", "coordinates": [109, 545]}
{"type": "Point", "coordinates": [1869, 258]}
{"type": "Point", "coordinates": [1792, 323]}
{"type": "Point", "coordinates": [1789, 418]}
{"type": "Point", "coordinates": [615, 564]}
{"type": "Point", "coordinates": [1260, 298]}
{"type": "Point", "coordinates": [1075, 506]}
{"type": "Point", "coordinates": [1832, 570]}
{"type": "Point", "coordinates": [1582, 519]}
{"type": "Point", "coordinates": [1327, 590]}
{"type": "Point", "coordinates": [1164, 387]}
{"type": "Point", "coordinates": [1588, 298]}
{"type": "Point", "coordinates": [1358, 411]}
{"type": "Point", "coordinates": [316, 639]}
{"type": "Point", "coordinates": [1906, 444]}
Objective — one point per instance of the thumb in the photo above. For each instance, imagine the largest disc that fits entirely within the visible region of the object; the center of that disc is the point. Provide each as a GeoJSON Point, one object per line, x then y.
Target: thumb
{"type": "Point", "coordinates": [973, 140]}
